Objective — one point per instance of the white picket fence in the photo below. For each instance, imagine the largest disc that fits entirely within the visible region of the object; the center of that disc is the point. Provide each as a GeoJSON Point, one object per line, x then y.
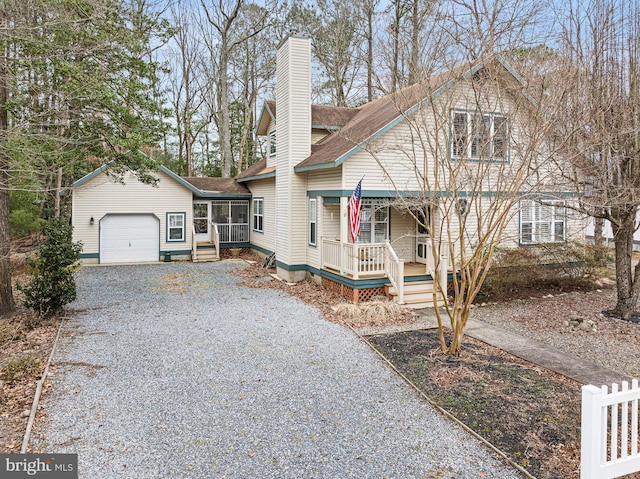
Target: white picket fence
{"type": "Point", "coordinates": [609, 445]}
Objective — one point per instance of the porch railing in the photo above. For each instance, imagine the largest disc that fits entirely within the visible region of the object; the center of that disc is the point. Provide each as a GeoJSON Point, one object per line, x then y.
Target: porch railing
{"type": "Point", "coordinates": [194, 244]}
{"type": "Point", "coordinates": [215, 238]}
{"type": "Point", "coordinates": [395, 271]}
{"type": "Point", "coordinates": [355, 259]}
{"type": "Point", "coordinates": [233, 232]}
{"type": "Point", "coordinates": [369, 259]}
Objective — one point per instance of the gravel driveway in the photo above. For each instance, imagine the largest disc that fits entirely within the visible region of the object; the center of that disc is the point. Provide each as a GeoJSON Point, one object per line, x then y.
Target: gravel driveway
{"type": "Point", "coordinates": [176, 371]}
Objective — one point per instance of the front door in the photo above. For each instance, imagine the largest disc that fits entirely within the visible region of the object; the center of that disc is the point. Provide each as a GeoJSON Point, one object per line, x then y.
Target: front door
{"type": "Point", "coordinates": [202, 221]}
{"type": "Point", "coordinates": [422, 238]}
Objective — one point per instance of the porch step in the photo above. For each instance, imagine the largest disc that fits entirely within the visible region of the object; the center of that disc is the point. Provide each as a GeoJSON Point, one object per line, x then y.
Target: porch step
{"type": "Point", "coordinates": [205, 255]}
{"type": "Point", "coordinates": [417, 294]}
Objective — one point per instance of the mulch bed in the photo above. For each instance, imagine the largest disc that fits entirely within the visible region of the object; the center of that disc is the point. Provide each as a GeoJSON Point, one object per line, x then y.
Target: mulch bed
{"type": "Point", "coordinates": [531, 414]}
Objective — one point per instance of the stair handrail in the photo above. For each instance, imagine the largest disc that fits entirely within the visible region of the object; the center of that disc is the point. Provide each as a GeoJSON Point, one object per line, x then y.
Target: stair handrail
{"type": "Point", "coordinates": [395, 270]}
{"type": "Point", "coordinates": [216, 238]}
{"type": "Point", "coordinates": [194, 244]}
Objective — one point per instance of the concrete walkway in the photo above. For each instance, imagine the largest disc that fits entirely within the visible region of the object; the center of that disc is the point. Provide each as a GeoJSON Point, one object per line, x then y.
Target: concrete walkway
{"type": "Point", "coordinates": [581, 370]}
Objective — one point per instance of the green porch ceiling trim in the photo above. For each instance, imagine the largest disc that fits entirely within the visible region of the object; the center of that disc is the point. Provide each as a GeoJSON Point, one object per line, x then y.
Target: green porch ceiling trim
{"type": "Point", "coordinates": [440, 194]}
{"type": "Point", "coordinates": [365, 193]}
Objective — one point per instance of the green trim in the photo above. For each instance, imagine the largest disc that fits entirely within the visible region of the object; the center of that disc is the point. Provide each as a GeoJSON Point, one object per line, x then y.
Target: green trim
{"type": "Point", "coordinates": [271, 174]}
{"type": "Point", "coordinates": [89, 255]}
{"type": "Point", "coordinates": [244, 244]}
{"type": "Point", "coordinates": [318, 126]}
{"type": "Point", "coordinates": [184, 226]}
{"type": "Point", "coordinates": [291, 267]}
{"type": "Point", "coordinates": [354, 283]}
{"type": "Point", "coordinates": [224, 196]}
{"type": "Point", "coordinates": [174, 252]}
{"type": "Point", "coordinates": [261, 249]}
{"type": "Point", "coordinates": [91, 175]}
{"type": "Point", "coordinates": [440, 194]}
{"type": "Point", "coordinates": [365, 193]}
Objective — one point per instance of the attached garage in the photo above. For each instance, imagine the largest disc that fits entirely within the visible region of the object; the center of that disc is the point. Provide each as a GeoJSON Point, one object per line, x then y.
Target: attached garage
{"type": "Point", "coordinates": [129, 238]}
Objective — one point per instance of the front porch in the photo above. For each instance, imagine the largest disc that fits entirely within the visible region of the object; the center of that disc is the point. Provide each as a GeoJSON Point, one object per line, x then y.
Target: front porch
{"type": "Point", "coordinates": [370, 269]}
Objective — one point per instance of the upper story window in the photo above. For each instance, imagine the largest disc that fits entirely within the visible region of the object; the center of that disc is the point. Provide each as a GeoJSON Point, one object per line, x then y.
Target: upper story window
{"type": "Point", "coordinates": [478, 136]}
{"type": "Point", "coordinates": [272, 143]}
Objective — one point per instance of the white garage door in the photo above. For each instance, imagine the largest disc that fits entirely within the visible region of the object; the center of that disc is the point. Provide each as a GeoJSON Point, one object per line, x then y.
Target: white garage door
{"type": "Point", "coordinates": [129, 238]}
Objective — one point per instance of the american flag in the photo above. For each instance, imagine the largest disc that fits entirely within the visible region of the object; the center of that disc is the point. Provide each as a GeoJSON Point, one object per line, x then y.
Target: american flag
{"type": "Point", "coordinates": [354, 211]}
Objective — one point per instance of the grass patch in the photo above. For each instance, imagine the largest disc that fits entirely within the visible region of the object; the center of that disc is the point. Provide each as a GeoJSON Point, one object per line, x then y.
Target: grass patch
{"type": "Point", "coordinates": [19, 369]}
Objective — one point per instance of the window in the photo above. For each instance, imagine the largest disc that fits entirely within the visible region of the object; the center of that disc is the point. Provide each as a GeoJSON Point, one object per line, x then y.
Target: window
{"type": "Point", "coordinates": [462, 208]}
{"type": "Point", "coordinates": [201, 217]}
{"type": "Point", "coordinates": [478, 136]}
{"type": "Point", "coordinates": [258, 214]}
{"type": "Point", "coordinates": [175, 226]}
{"type": "Point", "coordinates": [313, 216]}
{"type": "Point", "coordinates": [374, 221]}
{"type": "Point", "coordinates": [272, 143]}
{"type": "Point", "coordinates": [543, 222]}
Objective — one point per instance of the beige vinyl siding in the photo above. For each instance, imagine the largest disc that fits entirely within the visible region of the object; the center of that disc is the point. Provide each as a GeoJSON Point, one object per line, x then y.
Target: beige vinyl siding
{"type": "Point", "coordinates": [317, 135]}
{"type": "Point", "coordinates": [403, 230]}
{"type": "Point", "coordinates": [264, 189]}
{"type": "Point", "coordinates": [323, 180]}
{"type": "Point", "coordinates": [102, 195]}
{"type": "Point", "coordinates": [293, 93]}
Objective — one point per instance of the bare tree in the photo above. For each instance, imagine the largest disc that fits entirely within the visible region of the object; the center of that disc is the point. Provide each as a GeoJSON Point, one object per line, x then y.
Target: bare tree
{"type": "Point", "coordinates": [187, 87]}
{"type": "Point", "coordinates": [224, 16]}
{"type": "Point", "coordinates": [600, 70]}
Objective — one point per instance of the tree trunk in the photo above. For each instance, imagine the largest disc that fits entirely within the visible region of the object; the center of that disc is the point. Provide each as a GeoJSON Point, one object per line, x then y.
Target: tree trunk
{"type": "Point", "coordinates": [56, 199]}
{"type": "Point", "coordinates": [598, 242]}
{"type": "Point", "coordinates": [627, 276]}
{"type": "Point", "coordinates": [225, 123]}
{"type": "Point", "coordinates": [6, 294]}
{"type": "Point", "coordinates": [370, 13]}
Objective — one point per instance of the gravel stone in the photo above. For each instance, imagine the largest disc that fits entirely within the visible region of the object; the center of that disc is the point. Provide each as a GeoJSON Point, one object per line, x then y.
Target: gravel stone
{"type": "Point", "coordinates": [176, 371]}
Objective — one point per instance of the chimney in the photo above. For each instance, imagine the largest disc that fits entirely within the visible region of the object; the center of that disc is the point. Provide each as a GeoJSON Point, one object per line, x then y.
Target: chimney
{"type": "Point", "coordinates": [293, 144]}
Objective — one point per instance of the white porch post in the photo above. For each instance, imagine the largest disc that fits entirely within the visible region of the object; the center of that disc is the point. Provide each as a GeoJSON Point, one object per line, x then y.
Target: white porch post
{"type": "Point", "coordinates": [344, 231]}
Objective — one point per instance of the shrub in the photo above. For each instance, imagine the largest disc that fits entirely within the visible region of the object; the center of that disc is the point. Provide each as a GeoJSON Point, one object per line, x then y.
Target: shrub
{"type": "Point", "coordinates": [18, 369]}
{"type": "Point", "coordinates": [53, 284]}
{"type": "Point", "coordinates": [540, 266]}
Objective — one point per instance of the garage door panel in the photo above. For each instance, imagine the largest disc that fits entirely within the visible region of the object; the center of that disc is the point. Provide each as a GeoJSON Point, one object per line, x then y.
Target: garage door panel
{"type": "Point", "coordinates": [129, 238]}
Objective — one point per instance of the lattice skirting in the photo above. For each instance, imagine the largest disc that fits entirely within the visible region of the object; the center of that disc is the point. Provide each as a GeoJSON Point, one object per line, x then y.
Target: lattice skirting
{"type": "Point", "coordinates": [352, 294]}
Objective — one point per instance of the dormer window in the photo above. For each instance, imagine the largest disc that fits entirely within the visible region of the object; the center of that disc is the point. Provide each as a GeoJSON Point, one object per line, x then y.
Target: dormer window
{"type": "Point", "coordinates": [272, 143]}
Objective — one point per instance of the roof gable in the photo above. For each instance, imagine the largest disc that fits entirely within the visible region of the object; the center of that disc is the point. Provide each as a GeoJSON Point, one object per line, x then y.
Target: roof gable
{"type": "Point", "coordinates": [201, 187]}
{"type": "Point", "coordinates": [379, 116]}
